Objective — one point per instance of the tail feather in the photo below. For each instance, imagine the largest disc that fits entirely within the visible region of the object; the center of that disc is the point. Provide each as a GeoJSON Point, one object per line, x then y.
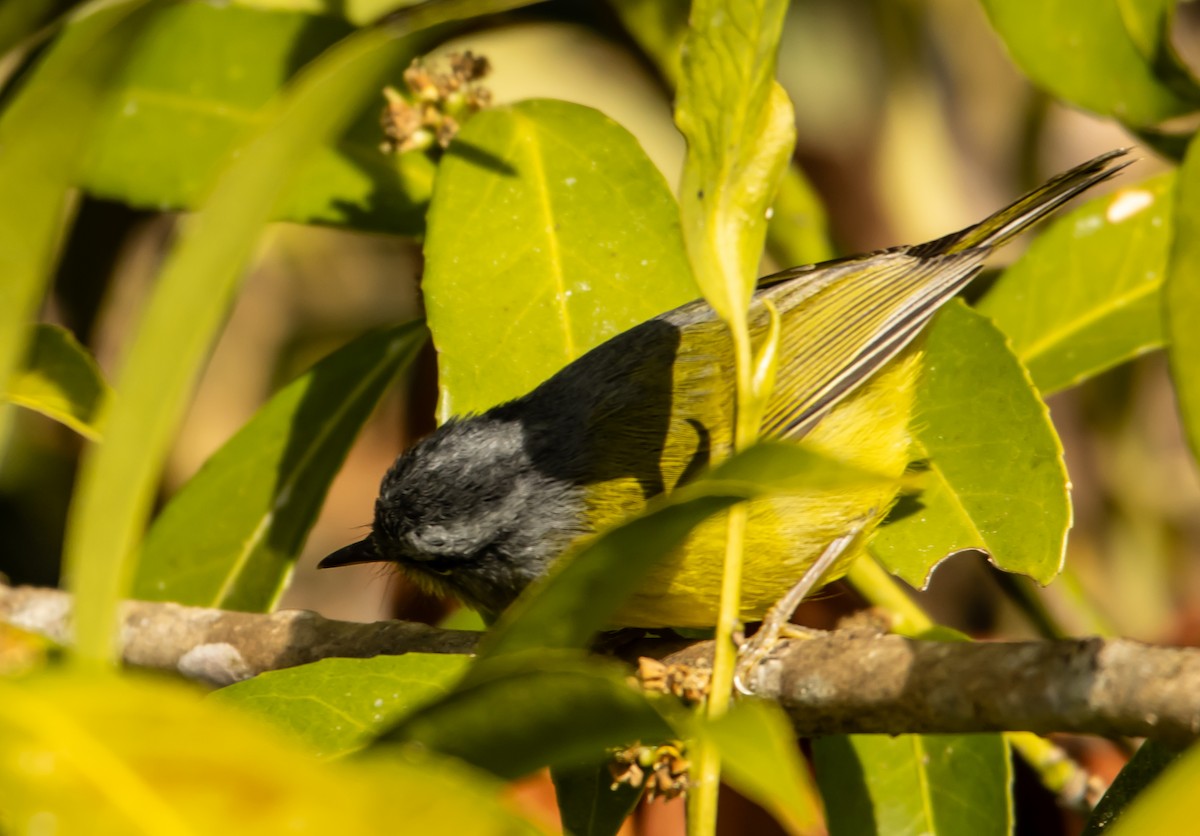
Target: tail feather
{"type": "Point", "coordinates": [1028, 210]}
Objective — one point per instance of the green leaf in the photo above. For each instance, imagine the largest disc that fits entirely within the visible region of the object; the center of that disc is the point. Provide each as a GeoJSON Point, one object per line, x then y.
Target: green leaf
{"type": "Point", "coordinates": [515, 715]}
{"type": "Point", "coordinates": [44, 131]}
{"type": "Point", "coordinates": [589, 584]}
{"type": "Point", "coordinates": [549, 232]}
{"type": "Point", "coordinates": [1086, 295]}
{"type": "Point", "coordinates": [62, 381]}
{"type": "Point", "coordinates": [201, 78]}
{"type": "Point", "coordinates": [1169, 805]}
{"type": "Point", "coordinates": [915, 784]}
{"type": "Point", "coordinates": [739, 128]}
{"type": "Point", "coordinates": [118, 478]}
{"type": "Point", "coordinates": [1181, 300]}
{"type": "Point", "coordinates": [996, 479]}
{"type": "Point", "coordinates": [588, 802]}
{"type": "Point", "coordinates": [659, 29]}
{"type": "Point", "coordinates": [337, 706]}
{"type": "Point", "coordinates": [1149, 23]}
{"type": "Point", "coordinates": [797, 229]}
{"type": "Point", "coordinates": [1144, 767]}
{"type": "Point", "coordinates": [1080, 51]}
{"type": "Point", "coordinates": [136, 755]}
{"type": "Point", "coordinates": [760, 759]}
{"type": "Point", "coordinates": [229, 537]}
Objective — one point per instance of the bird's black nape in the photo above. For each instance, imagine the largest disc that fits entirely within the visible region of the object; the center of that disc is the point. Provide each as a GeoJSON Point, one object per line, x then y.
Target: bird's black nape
{"type": "Point", "coordinates": [363, 551]}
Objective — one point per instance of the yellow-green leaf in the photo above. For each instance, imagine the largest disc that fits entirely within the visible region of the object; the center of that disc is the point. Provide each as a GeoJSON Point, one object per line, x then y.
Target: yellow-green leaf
{"type": "Point", "coordinates": [62, 381]}
{"type": "Point", "coordinates": [202, 76]}
{"type": "Point", "coordinates": [337, 706]}
{"type": "Point", "coordinates": [45, 132]}
{"type": "Point", "coordinates": [230, 536]}
{"type": "Point", "coordinates": [1169, 805]}
{"type": "Point", "coordinates": [108, 755]}
{"type": "Point", "coordinates": [995, 479]}
{"type": "Point", "coordinates": [1087, 294]}
{"type": "Point", "coordinates": [760, 759]}
{"type": "Point", "coordinates": [1181, 302]}
{"type": "Point", "coordinates": [738, 124]}
{"type": "Point", "coordinates": [915, 785]}
{"type": "Point", "coordinates": [549, 232]}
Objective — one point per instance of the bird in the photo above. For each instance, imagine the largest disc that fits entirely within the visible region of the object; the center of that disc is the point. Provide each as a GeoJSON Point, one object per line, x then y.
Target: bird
{"type": "Point", "coordinates": [482, 507]}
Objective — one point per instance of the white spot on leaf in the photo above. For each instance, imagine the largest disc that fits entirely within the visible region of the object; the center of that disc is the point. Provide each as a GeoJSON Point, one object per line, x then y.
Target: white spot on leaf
{"type": "Point", "coordinates": [1127, 204]}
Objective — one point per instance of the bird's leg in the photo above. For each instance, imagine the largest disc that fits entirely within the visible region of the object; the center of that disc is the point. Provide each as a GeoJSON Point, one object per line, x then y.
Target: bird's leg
{"type": "Point", "coordinates": [778, 618]}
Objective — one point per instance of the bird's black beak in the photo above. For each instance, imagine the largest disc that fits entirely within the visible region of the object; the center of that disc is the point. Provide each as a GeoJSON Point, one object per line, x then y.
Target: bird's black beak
{"type": "Point", "coordinates": [361, 552]}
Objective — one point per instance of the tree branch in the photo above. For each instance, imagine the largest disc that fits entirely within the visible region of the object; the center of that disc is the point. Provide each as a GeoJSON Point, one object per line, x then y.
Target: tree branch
{"type": "Point", "coordinates": [832, 683]}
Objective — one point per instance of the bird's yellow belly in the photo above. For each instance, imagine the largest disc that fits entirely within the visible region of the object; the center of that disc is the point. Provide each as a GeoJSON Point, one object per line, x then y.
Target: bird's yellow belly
{"type": "Point", "coordinates": [787, 534]}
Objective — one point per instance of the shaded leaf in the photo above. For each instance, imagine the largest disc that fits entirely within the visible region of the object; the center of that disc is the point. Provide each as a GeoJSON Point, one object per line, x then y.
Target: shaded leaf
{"type": "Point", "coordinates": [760, 759]}
{"type": "Point", "coordinates": [515, 715]}
{"type": "Point", "coordinates": [739, 128]}
{"type": "Point", "coordinates": [915, 784]}
{"type": "Point", "coordinates": [201, 78]}
{"type": "Point", "coordinates": [1181, 303]}
{"type": "Point", "coordinates": [337, 706]}
{"type": "Point", "coordinates": [996, 479]}
{"type": "Point", "coordinates": [1147, 763]}
{"type": "Point", "coordinates": [588, 802]}
{"type": "Point", "coordinates": [797, 230]}
{"type": "Point", "coordinates": [44, 131]}
{"type": "Point", "coordinates": [1081, 51]}
{"type": "Point", "coordinates": [549, 232]}
{"type": "Point", "coordinates": [135, 755]}
{"type": "Point", "coordinates": [229, 537]}
{"type": "Point", "coordinates": [1086, 295]}
{"type": "Point", "coordinates": [1169, 805]}
{"type": "Point", "coordinates": [62, 381]}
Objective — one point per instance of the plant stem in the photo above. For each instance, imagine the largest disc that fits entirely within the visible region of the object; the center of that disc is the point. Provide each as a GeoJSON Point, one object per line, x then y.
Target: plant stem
{"type": "Point", "coordinates": [706, 777]}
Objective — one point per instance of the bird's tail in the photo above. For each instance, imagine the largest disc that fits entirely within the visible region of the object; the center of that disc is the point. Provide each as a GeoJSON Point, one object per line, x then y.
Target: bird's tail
{"type": "Point", "coordinates": [1028, 210]}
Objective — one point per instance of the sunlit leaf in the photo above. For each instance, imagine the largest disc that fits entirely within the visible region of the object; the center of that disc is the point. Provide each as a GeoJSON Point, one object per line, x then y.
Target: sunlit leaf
{"type": "Point", "coordinates": [1086, 295]}
{"type": "Point", "coordinates": [912, 785]}
{"type": "Point", "coordinates": [528, 711]}
{"type": "Point", "coordinates": [549, 232]}
{"type": "Point", "coordinates": [797, 230]}
{"type": "Point", "coordinates": [62, 381]}
{"type": "Point", "coordinates": [761, 761]}
{"type": "Point", "coordinates": [1147, 763]}
{"type": "Point", "coordinates": [1080, 51]}
{"type": "Point", "coordinates": [230, 536]}
{"type": "Point", "coordinates": [45, 131]}
{"type": "Point", "coordinates": [109, 755]}
{"type": "Point", "coordinates": [193, 293]}
{"type": "Point", "coordinates": [200, 79]}
{"type": "Point", "coordinates": [1149, 24]}
{"type": "Point", "coordinates": [739, 127]}
{"type": "Point", "coordinates": [337, 706]}
{"type": "Point", "coordinates": [996, 479]}
{"type": "Point", "coordinates": [588, 802]}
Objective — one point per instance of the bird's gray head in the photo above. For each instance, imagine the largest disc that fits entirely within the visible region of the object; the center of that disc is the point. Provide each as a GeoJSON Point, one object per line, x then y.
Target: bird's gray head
{"type": "Point", "coordinates": [468, 511]}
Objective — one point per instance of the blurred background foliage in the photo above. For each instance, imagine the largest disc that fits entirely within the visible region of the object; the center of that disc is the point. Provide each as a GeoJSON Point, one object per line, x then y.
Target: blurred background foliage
{"type": "Point", "coordinates": [912, 120]}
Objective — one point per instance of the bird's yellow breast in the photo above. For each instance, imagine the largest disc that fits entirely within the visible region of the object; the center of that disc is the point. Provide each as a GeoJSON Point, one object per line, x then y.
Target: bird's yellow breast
{"type": "Point", "coordinates": [869, 428]}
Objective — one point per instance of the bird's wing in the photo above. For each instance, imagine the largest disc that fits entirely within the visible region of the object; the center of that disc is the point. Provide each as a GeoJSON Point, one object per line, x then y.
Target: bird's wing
{"type": "Point", "coordinates": [833, 339]}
